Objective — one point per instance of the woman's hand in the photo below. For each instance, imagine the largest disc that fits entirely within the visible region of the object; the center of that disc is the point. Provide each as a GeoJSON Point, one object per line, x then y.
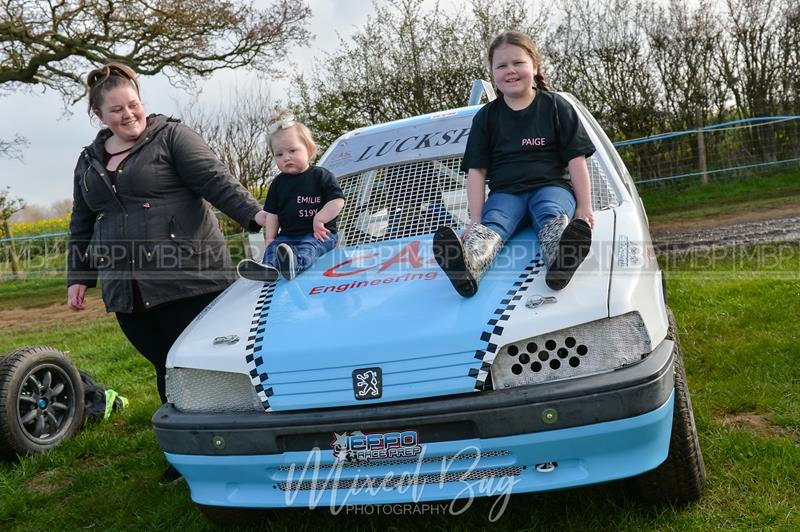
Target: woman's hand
{"type": "Point", "coordinates": [585, 213]}
{"type": "Point", "coordinates": [75, 296]}
{"type": "Point", "coordinates": [261, 218]}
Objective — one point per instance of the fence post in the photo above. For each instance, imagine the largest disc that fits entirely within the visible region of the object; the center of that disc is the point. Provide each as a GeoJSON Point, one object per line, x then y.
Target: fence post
{"type": "Point", "coordinates": [12, 250]}
{"type": "Point", "coordinates": [701, 145]}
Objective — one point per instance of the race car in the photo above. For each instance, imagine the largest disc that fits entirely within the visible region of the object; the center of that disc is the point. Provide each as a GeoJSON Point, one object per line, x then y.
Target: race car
{"type": "Point", "coordinates": [368, 380]}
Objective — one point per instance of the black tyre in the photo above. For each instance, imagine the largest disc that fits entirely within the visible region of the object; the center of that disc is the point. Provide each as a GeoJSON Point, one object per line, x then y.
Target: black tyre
{"type": "Point", "coordinates": [682, 476]}
{"type": "Point", "coordinates": [41, 400]}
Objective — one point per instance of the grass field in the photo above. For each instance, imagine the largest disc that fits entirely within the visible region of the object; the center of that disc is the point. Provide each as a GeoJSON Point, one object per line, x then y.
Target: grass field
{"type": "Point", "coordinates": [32, 292]}
{"type": "Point", "coordinates": [737, 321]}
{"type": "Point", "coordinates": [723, 197]}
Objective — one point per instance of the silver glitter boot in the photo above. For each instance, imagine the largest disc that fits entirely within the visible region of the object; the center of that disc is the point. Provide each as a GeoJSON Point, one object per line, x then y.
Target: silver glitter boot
{"type": "Point", "coordinates": [466, 262]}
{"type": "Point", "coordinates": [565, 244]}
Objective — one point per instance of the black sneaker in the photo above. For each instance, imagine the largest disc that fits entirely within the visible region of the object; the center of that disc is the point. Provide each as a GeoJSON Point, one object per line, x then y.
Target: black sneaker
{"type": "Point", "coordinates": [170, 476]}
{"type": "Point", "coordinates": [285, 255]}
{"type": "Point", "coordinates": [573, 247]}
{"type": "Point", "coordinates": [255, 271]}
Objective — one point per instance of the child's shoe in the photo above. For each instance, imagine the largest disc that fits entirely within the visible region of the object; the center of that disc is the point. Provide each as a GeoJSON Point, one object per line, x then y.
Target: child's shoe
{"type": "Point", "coordinates": [286, 262]}
{"type": "Point", "coordinates": [255, 271]}
{"type": "Point", "coordinates": [565, 244]}
{"type": "Point", "coordinates": [466, 262]}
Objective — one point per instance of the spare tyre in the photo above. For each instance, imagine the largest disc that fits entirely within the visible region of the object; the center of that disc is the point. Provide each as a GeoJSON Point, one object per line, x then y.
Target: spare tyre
{"type": "Point", "coordinates": [41, 400]}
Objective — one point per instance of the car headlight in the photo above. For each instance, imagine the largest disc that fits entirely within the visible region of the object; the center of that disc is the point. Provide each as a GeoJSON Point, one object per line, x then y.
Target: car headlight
{"type": "Point", "coordinates": [199, 390]}
{"type": "Point", "coordinates": [593, 347]}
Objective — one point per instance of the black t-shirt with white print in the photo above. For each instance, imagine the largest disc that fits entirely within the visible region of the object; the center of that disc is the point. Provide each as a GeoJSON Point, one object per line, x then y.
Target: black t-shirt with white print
{"type": "Point", "coordinates": [296, 198]}
{"type": "Point", "coordinates": [526, 149]}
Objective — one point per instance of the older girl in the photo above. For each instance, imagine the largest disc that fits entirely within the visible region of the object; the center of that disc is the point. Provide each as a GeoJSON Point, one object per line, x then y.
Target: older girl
{"type": "Point", "coordinates": [531, 147]}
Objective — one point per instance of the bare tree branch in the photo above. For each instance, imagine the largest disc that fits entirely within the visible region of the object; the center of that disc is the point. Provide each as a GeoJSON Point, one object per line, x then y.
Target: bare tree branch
{"type": "Point", "coordinates": [52, 43]}
{"type": "Point", "coordinates": [9, 205]}
{"type": "Point", "coordinates": [405, 61]}
{"type": "Point", "coordinates": [12, 149]}
{"type": "Point", "coordinates": [237, 133]}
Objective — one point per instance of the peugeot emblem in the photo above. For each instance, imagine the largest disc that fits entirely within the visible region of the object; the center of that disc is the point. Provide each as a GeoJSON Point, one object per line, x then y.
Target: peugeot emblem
{"type": "Point", "coordinates": [367, 383]}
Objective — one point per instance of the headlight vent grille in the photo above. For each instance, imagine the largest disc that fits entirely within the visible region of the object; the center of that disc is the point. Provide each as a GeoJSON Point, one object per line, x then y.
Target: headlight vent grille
{"type": "Point", "coordinates": [206, 391]}
{"type": "Point", "coordinates": [577, 351]}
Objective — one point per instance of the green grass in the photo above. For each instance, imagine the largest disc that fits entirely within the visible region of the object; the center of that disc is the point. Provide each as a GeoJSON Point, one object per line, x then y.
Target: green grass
{"type": "Point", "coordinates": [757, 192]}
{"type": "Point", "coordinates": [32, 292]}
{"type": "Point", "coordinates": [737, 321]}
{"type": "Point", "coordinates": [739, 310]}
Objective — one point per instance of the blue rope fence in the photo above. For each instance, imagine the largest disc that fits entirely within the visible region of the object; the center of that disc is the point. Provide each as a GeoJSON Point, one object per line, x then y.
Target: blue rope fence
{"type": "Point", "coordinates": [716, 171]}
{"type": "Point", "coordinates": [672, 155]}
{"type": "Point", "coordinates": [673, 134]}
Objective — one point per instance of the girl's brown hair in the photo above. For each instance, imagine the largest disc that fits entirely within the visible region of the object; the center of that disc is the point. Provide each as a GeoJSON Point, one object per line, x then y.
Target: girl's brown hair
{"type": "Point", "coordinates": [517, 38]}
{"type": "Point", "coordinates": [110, 76]}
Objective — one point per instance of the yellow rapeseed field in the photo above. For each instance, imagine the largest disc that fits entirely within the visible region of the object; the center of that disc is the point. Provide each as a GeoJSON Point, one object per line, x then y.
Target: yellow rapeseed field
{"type": "Point", "coordinates": [42, 227]}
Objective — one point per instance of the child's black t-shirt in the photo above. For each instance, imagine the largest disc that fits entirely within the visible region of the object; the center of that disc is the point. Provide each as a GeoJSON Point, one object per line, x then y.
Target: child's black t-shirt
{"type": "Point", "coordinates": [296, 198]}
{"type": "Point", "coordinates": [524, 150]}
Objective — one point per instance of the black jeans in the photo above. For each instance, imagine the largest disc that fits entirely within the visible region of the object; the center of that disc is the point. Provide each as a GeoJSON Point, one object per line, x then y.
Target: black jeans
{"type": "Point", "coordinates": [152, 332]}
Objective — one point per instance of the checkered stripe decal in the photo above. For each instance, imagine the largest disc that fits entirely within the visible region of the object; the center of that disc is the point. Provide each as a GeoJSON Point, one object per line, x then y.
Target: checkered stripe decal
{"type": "Point", "coordinates": [253, 354]}
{"type": "Point", "coordinates": [494, 327]}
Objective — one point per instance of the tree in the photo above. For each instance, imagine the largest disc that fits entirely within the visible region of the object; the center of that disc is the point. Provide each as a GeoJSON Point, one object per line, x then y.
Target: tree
{"type": "Point", "coordinates": [683, 43]}
{"type": "Point", "coordinates": [405, 61]}
{"type": "Point", "coordinates": [8, 206]}
{"type": "Point", "coordinates": [47, 43]}
{"type": "Point", "coordinates": [751, 58]}
{"type": "Point", "coordinates": [12, 149]}
{"type": "Point", "coordinates": [237, 133]}
{"type": "Point", "coordinates": [602, 58]}
{"type": "Point", "coordinates": [750, 62]}
{"type": "Point", "coordinates": [789, 46]}
{"type": "Point", "coordinates": [33, 212]}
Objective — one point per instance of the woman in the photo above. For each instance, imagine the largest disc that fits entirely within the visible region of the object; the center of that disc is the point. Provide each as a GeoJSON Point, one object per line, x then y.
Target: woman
{"type": "Point", "coordinates": [141, 222]}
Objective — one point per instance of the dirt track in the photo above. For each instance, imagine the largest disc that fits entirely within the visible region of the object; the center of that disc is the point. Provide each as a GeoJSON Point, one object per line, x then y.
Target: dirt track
{"type": "Point", "coordinates": [59, 313]}
{"type": "Point", "coordinates": [748, 228]}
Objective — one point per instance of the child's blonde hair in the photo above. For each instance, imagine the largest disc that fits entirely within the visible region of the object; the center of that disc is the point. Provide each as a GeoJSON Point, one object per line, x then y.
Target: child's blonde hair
{"type": "Point", "coordinates": [284, 119]}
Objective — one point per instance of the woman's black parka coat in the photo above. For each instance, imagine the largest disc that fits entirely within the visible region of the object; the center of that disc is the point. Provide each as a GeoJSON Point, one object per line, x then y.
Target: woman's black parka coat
{"type": "Point", "coordinates": [155, 226]}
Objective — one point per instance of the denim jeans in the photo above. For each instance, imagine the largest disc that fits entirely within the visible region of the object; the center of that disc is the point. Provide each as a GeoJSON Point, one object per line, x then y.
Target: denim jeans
{"type": "Point", "coordinates": [508, 213]}
{"type": "Point", "coordinates": [307, 249]}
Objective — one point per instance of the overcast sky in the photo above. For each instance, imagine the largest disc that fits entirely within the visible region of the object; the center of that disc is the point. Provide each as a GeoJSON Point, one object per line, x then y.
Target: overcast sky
{"type": "Point", "coordinates": [56, 139]}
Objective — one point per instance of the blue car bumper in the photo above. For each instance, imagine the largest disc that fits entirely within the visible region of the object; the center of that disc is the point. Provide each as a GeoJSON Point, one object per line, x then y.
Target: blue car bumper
{"type": "Point", "coordinates": [547, 436]}
{"type": "Point", "coordinates": [445, 471]}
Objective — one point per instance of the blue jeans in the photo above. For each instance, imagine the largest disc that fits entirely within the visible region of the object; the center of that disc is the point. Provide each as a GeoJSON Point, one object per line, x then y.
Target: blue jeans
{"type": "Point", "coordinates": [307, 249]}
{"type": "Point", "coordinates": [508, 213]}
